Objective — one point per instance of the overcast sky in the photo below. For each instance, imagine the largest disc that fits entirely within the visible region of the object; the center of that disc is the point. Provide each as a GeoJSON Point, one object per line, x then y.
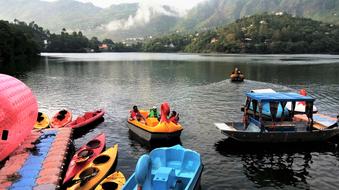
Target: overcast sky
{"type": "Point", "coordinates": [180, 4]}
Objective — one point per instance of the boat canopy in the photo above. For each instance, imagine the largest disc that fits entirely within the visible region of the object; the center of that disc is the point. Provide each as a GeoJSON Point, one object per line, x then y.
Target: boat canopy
{"type": "Point", "coordinates": [278, 97]}
{"type": "Point", "coordinates": [274, 101]}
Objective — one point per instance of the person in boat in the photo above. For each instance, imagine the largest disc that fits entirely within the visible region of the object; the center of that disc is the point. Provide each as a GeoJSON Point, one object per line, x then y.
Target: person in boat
{"type": "Point", "coordinates": [135, 114]}
{"type": "Point", "coordinates": [153, 112]}
{"type": "Point", "coordinates": [236, 71]}
{"type": "Point", "coordinates": [174, 117]}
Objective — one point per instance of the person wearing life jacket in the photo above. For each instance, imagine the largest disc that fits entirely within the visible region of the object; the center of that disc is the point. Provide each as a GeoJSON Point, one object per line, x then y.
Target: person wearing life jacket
{"type": "Point", "coordinates": [174, 117]}
{"type": "Point", "coordinates": [135, 114]}
{"type": "Point", "coordinates": [153, 112]}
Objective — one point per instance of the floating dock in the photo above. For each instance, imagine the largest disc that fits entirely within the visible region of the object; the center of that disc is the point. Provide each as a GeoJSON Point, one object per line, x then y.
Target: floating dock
{"type": "Point", "coordinates": [39, 162]}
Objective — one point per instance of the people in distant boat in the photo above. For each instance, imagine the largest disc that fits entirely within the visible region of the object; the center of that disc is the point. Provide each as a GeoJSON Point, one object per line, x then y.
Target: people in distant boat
{"type": "Point", "coordinates": [135, 114]}
{"type": "Point", "coordinates": [153, 112]}
{"type": "Point", "coordinates": [174, 117]}
{"type": "Point", "coordinates": [236, 71]}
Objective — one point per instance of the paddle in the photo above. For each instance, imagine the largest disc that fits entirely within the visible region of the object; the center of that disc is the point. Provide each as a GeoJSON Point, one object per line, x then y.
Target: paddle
{"type": "Point", "coordinates": [81, 180]}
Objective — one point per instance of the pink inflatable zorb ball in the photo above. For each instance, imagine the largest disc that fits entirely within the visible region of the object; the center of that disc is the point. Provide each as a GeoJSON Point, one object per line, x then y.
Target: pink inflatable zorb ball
{"type": "Point", "coordinates": [18, 113]}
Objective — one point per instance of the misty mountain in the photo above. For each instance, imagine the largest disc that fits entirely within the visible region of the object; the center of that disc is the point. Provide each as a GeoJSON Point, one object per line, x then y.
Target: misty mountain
{"type": "Point", "coordinates": [116, 22]}
{"type": "Point", "coordinates": [214, 13]}
{"type": "Point", "coordinates": [140, 20]}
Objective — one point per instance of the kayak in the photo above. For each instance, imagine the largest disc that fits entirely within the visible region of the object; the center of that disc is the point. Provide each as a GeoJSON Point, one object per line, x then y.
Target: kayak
{"type": "Point", "coordinates": [15, 97]}
{"type": "Point", "coordinates": [61, 119]}
{"type": "Point", "coordinates": [85, 155]}
{"type": "Point", "coordinates": [167, 168]}
{"type": "Point", "coordinates": [86, 119]}
{"type": "Point", "coordinates": [94, 172]}
{"type": "Point", "coordinates": [42, 121]}
{"type": "Point", "coordinates": [153, 129]}
{"type": "Point", "coordinates": [114, 181]}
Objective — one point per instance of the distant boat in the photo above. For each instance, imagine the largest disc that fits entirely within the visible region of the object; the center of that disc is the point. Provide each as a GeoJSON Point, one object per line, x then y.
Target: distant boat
{"type": "Point", "coordinates": [237, 76]}
{"type": "Point", "coordinates": [290, 128]}
{"type": "Point", "coordinates": [174, 168]}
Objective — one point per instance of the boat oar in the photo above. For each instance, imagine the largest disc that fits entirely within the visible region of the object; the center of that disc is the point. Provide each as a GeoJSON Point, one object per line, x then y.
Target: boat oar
{"type": "Point", "coordinates": [84, 179]}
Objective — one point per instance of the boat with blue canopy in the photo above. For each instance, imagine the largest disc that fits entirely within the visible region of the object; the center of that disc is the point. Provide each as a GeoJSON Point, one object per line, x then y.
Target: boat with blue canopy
{"type": "Point", "coordinates": [174, 168]}
{"type": "Point", "coordinates": [278, 126]}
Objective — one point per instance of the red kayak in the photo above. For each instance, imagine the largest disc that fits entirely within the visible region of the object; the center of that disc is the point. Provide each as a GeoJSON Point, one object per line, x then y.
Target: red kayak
{"type": "Point", "coordinates": [85, 155]}
{"type": "Point", "coordinates": [86, 119]}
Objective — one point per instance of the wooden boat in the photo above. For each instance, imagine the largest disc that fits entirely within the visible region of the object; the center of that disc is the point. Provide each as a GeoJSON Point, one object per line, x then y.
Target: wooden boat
{"type": "Point", "coordinates": [152, 129]}
{"type": "Point", "coordinates": [256, 128]}
{"type": "Point", "coordinates": [42, 121]}
{"type": "Point", "coordinates": [167, 168]}
{"type": "Point", "coordinates": [94, 172]}
{"type": "Point", "coordinates": [61, 119]}
{"type": "Point", "coordinates": [114, 181]}
{"type": "Point", "coordinates": [86, 119]}
{"type": "Point", "coordinates": [85, 155]}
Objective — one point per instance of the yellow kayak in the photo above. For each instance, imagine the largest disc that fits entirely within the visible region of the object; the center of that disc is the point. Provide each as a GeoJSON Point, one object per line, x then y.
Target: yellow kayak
{"type": "Point", "coordinates": [114, 181]}
{"type": "Point", "coordinates": [94, 172]}
{"type": "Point", "coordinates": [42, 121]}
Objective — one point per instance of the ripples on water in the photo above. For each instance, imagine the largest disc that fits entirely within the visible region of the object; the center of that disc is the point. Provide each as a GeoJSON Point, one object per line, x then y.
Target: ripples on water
{"type": "Point", "coordinates": [197, 87]}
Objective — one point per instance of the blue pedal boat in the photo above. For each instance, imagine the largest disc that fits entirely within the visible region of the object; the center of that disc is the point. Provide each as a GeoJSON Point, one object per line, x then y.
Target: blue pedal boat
{"type": "Point", "coordinates": [174, 168]}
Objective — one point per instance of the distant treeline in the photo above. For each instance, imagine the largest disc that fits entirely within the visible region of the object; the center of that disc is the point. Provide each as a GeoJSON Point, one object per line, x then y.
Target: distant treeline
{"type": "Point", "coordinates": [265, 33]}
{"type": "Point", "coordinates": [21, 40]}
{"type": "Point", "coordinates": [16, 42]}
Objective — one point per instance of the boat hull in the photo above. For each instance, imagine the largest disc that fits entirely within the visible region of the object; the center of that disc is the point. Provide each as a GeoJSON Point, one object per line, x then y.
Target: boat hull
{"type": "Point", "coordinates": [56, 123]}
{"type": "Point", "coordinates": [167, 168]}
{"type": "Point", "coordinates": [42, 124]}
{"type": "Point", "coordinates": [75, 167]}
{"type": "Point", "coordinates": [153, 136]}
{"type": "Point", "coordinates": [282, 136]}
{"type": "Point", "coordinates": [102, 165]}
{"type": "Point", "coordinates": [89, 121]}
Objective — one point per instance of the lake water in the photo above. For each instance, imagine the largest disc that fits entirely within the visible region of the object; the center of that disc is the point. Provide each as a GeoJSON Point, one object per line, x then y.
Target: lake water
{"type": "Point", "coordinates": [197, 87]}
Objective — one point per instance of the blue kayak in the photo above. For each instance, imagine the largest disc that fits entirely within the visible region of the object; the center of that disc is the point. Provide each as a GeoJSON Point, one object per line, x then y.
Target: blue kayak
{"type": "Point", "coordinates": [174, 168]}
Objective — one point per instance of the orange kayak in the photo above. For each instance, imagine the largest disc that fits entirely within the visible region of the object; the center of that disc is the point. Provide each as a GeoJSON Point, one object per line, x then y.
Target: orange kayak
{"type": "Point", "coordinates": [61, 119]}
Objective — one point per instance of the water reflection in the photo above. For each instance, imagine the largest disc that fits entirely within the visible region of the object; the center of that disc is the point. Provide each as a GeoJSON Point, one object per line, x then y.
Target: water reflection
{"type": "Point", "coordinates": [135, 140]}
{"type": "Point", "coordinates": [19, 68]}
{"type": "Point", "coordinates": [276, 165]}
{"type": "Point", "coordinates": [198, 88]}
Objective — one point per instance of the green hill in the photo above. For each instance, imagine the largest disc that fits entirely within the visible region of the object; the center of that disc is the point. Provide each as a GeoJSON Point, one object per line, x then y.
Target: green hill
{"type": "Point", "coordinates": [214, 13]}
{"type": "Point", "coordinates": [265, 33]}
{"type": "Point", "coordinates": [94, 21]}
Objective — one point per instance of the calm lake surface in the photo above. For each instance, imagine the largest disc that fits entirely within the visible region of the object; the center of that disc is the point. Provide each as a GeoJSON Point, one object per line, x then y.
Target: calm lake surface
{"type": "Point", "coordinates": [197, 87]}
